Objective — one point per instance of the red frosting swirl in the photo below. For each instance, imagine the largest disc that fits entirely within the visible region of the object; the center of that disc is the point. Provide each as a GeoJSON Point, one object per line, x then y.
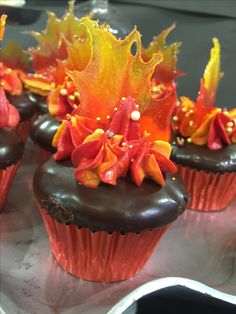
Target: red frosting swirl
{"type": "Point", "coordinates": [9, 116]}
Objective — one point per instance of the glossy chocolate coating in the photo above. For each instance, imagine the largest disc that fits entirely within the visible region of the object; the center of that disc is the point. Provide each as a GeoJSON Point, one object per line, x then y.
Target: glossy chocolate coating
{"type": "Point", "coordinates": [124, 207]}
{"type": "Point", "coordinates": [42, 131]}
{"type": "Point", "coordinates": [202, 158]}
{"type": "Point", "coordinates": [11, 147]}
{"type": "Point", "coordinates": [24, 105]}
{"type": "Point", "coordinates": [40, 101]}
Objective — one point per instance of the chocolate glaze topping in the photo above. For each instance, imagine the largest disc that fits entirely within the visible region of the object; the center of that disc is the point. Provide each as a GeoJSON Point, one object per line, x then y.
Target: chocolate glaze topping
{"type": "Point", "coordinates": [42, 131]}
{"type": "Point", "coordinates": [202, 158]}
{"type": "Point", "coordinates": [124, 207]}
{"type": "Point", "coordinates": [24, 105]}
{"type": "Point", "coordinates": [40, 101]}
{"type": "Point", "coordinates": [11, 147]}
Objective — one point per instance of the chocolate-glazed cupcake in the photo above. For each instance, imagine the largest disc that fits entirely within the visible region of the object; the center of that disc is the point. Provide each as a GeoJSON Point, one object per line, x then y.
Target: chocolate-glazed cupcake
{"type": "Point", "coordinates": [27, 110]}
{"type": "Point", "coordinates": [204, 145]}
{"type": "Point", "coordinates": [116, 227]}
{"type": "Point", "coordinates": [40, 101]}
{"type": "Point", "coordinates": [109, 193]}
{"type": "Point", "coordinates": [11, 146]}
{"type": "Point", "coordinates": [42, 131]}
{"type": "Point", "coordinates": [90, 204]}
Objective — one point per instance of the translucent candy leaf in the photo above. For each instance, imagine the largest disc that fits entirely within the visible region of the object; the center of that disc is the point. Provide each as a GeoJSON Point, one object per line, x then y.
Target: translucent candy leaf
{"type": "Point", "coordinates": [52, 41]}
{"type": "Point", "coordinates": [212, 74]}
{"type": "Point", "coordinates": [165, 71]}
{"type": "Point", "coordinates": [113, 72]}
{"type": "Point", "coordinates": [13, 56]}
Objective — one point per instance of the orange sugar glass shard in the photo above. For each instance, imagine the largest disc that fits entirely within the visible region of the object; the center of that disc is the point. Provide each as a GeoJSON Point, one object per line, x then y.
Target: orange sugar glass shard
{"type": "Point", "coordinates": [14, 57]}
{"type": "Point", "coordinates": [156, 118]}
{"type": "Point", "coordinates": [113, 72]}
{"type": "Point", "coordinates": [2, 25]}
{"type": "Point", "coordinates": [53, 40]}
{"type": "Point", "coordinates": [166, 70]}
{"type": "Point", "coordinates": [212, 74]}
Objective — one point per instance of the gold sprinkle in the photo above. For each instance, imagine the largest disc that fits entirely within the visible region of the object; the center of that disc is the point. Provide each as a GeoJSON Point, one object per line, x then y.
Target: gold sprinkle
{"type": "Point", "coordinates": [229, 130]}
{"type": "Point", "coordinates": [124, 144]}
{"type": "Point", "coordinates": [191, 111]}
{"type": "Point", "coordinates": [98, 118]}
{"type": "Point", "coordinates": [72, 97]}
{"type": "Point", "coordinates": [75, 106]}
{"type": "Point", "coordinates": [174, 142]}
{"type": "Point", "coordinates": [101, 131]}
{"type": "Point", "coordinates": [123, 98]}
{"type": "Point", "coordinates": [2, 83]}
{"type": "Point", "coordinates": [180, 141]}
{"type": "Point", "coordinates": [173, 178]}
{"type": "Point", "coordinates": [63, 92]}
{"type": "Point", "coordinates": [68, 116]}
{"type": "Point", "coordinates": [130, 146]}
{"type": "Point", "coordinates": [137, 106]}
{"type": "Point", "coordinates": [177, 103]}
{"type": "Point", "coordinates": [77, 94]}
{"type": "Point", "coordinates": [184, 109]}
{"type": "Point", "coordinates": [189, 140]}
{"type": "Point", "coordinates": [115, 109]}
{"type": "Point", "coordinates": [108, 117]}
{"type": "Point", "coordinates": [132, 160]}
{"type": "Point", "coordinates": [229, 124]}
{"type": "Point", "coordinates": [191, 123]}
{"type": "Point", "coordinates": [156, 89]}
{"type": "Point", "coordinates": [175, 118]}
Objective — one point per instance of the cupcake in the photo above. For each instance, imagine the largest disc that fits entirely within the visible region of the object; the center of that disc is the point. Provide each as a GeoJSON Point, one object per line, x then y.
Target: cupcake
{"type": "Point", "coordinates": [204, 144]}
{"type": "Point", "coordinates": [11, 146]}
{"type": "Point", "coordinates": [14, 66]}
{"type": "Point", "coordinates": [27, 110]}
{"type": "Point", "coordinates": [42, 131]}
{"type": "Point", "coordinates": [110, 192]}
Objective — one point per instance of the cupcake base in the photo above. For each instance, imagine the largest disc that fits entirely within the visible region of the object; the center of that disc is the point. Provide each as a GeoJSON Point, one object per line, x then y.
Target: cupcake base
{"type": "Point", "coordinates": [44, 154]}
{"type": "Point", "coordinates": [23, 129]}
{"type": "Point", "coordinates": [100, 256]}
{"type": "Point", "coordinates": [208, 191]}
{"type": "Point", "coordinates": [6, 178]}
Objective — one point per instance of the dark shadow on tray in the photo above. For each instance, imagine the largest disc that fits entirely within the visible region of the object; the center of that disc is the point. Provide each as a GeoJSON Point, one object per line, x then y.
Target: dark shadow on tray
{"type": "Point", "coordinates": [182, 300]}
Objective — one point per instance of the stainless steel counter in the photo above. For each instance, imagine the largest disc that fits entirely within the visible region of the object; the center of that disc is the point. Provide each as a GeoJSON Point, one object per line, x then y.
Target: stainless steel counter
{"type": "Point", "coordinates": [198, 246]}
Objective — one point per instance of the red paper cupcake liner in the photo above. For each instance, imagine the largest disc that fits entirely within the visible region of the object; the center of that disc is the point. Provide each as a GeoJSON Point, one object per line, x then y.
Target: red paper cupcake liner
{"type": "Point", "coordinates": [44, 154]}
{"type": "Point", "coordinates": [208, 191]}
{"type": "Point", "coordinates": [23, 129]}
{"type": "Point", "coordinates": [100, 256]}
{"type": "Point", "coordinates": [6, 178]}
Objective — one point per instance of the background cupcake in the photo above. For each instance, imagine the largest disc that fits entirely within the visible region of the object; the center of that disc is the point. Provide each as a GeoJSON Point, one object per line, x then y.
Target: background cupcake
{"type": "Point", "coordinates": [11, 146]}
{"type": "Point", "coordinates": [14, 66]}
{"type": "Point", "coordinates": [204, 146]}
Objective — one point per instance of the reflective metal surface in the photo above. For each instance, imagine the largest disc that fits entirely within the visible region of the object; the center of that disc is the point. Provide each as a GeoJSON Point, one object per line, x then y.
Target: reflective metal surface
{"type": "Point", "coordinates": [198, 246]}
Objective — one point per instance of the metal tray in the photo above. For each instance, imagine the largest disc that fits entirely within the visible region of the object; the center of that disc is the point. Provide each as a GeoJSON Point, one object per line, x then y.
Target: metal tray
{"type": "Point", "coordinates": [198, 246]}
